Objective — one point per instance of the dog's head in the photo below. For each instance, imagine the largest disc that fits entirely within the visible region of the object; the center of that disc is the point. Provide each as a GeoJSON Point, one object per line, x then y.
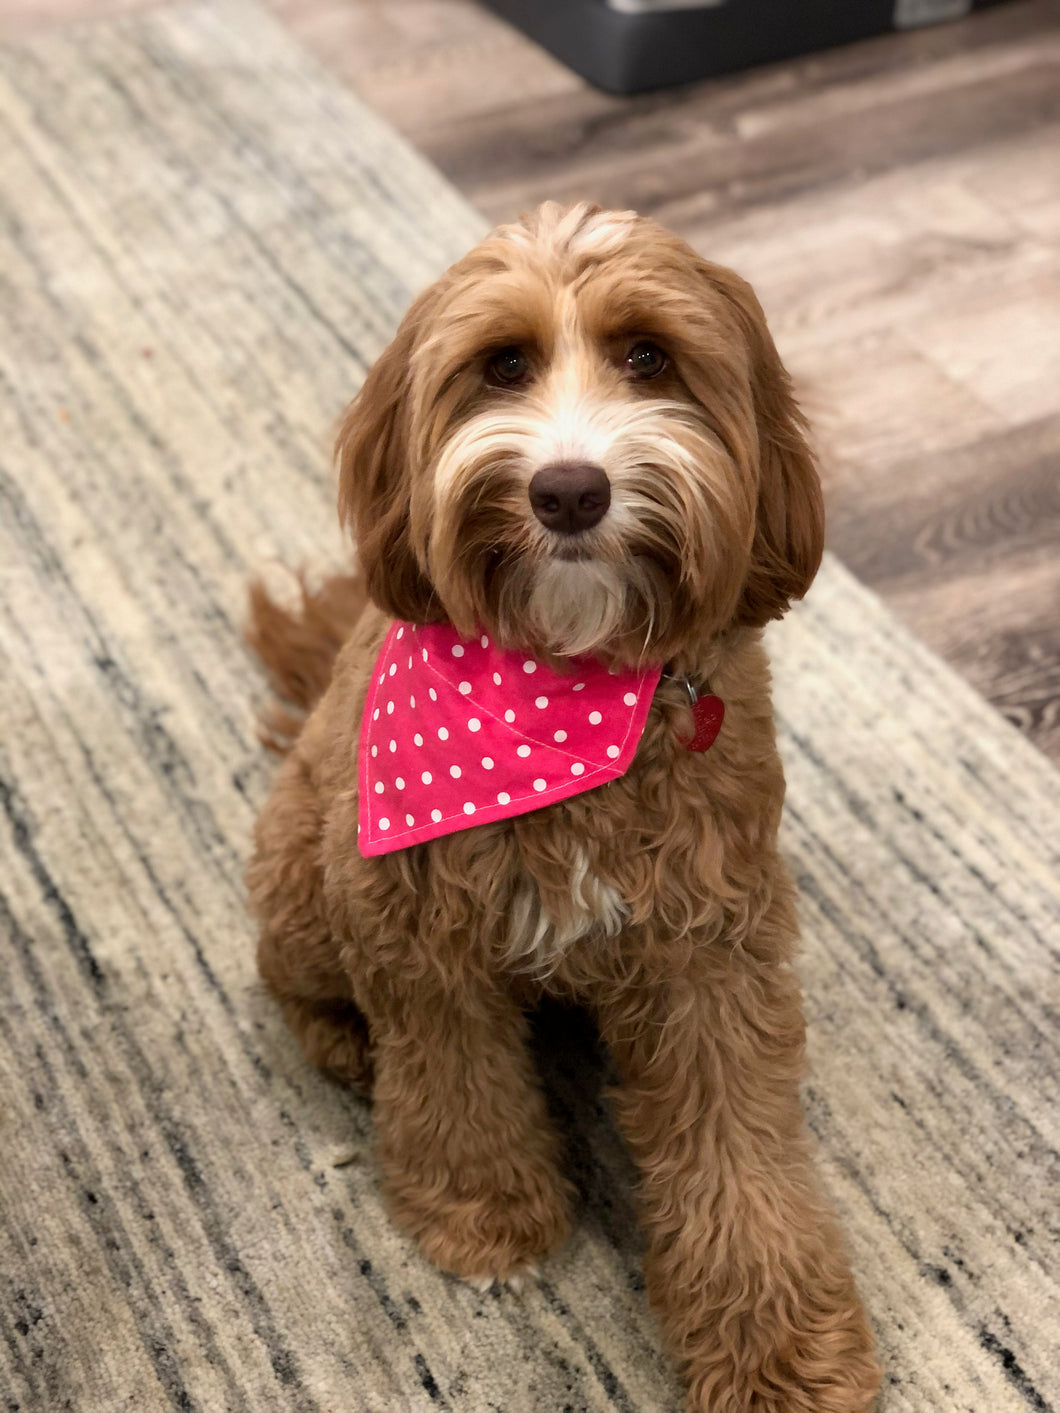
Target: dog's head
{"type": "Point", "coordinates": [582, 439]}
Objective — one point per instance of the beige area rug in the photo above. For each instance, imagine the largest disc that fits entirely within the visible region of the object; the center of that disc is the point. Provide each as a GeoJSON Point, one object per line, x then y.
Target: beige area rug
{"type": "Point", "coordinates": [205, 242]}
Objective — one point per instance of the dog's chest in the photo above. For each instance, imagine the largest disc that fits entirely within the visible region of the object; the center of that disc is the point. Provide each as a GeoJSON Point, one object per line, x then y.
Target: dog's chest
{"type": "Point", "coordinates": [550, 916]}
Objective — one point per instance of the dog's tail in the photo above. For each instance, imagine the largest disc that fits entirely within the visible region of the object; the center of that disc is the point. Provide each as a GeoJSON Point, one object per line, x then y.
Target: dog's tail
{"type": "Point", "coordinates": [298, 647]}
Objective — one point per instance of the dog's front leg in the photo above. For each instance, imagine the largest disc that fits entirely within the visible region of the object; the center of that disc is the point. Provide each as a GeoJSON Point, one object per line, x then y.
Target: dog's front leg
{"type": "Point", "coordinates": [745, 1266]}
{"type": "Point", "coordinates": [465, 1143]}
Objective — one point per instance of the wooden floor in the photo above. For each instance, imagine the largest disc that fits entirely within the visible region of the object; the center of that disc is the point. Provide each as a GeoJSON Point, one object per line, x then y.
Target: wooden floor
{"type": "Point", "coordinates": [897, 205]}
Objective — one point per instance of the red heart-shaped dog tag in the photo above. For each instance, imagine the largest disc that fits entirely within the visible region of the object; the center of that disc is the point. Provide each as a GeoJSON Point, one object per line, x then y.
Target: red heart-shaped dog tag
{"type": "Point", "coordinates": [707, 715]}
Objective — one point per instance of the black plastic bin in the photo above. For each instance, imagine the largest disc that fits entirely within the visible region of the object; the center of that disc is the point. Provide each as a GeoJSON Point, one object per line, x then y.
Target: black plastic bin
{"type": "Point", "coordinates": [627, 46]}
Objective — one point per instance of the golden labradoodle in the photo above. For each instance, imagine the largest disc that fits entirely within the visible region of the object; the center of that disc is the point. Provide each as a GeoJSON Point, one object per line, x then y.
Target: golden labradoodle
{"type": "Point", "coordinates": [579, 488]}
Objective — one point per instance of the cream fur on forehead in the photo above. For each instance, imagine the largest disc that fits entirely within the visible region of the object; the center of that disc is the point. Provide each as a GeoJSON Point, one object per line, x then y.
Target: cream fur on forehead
{"type": "Point", "coordinates": [583, 227]}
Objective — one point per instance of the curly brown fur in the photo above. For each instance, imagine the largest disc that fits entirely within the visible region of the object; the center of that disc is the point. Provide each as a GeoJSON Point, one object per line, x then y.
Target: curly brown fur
{"type": "Point", "coordinates": [660, 901]}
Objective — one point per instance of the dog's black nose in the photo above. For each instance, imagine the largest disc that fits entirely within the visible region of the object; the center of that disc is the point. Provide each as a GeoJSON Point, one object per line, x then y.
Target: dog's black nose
{"type": "Point", "coordinates": [570, 497]}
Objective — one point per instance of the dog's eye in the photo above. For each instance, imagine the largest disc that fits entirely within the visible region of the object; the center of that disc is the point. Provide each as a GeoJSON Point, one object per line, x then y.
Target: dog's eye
{"type": "Point", "coordinates": [646, 360]}
{"type": "Point", "coordinates": [508, 367]}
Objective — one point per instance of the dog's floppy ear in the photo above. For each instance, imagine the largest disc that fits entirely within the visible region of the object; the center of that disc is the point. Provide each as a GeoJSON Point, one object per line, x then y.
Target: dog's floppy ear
{"type": "Point", "coordinates": [374, 451]}
{"type": "Point", "coordinates": [789, 525]}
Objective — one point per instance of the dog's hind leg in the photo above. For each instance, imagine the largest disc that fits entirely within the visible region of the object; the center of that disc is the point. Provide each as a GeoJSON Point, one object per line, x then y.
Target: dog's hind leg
{"type": "Point", "coordinates": [334, 1036]}
{"type": "Point", "coordinates": [298, 957]}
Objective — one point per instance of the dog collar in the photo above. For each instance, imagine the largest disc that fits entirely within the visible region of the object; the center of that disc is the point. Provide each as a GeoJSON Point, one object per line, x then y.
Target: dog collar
{"type": "Point", "coordinates": [459, 732]}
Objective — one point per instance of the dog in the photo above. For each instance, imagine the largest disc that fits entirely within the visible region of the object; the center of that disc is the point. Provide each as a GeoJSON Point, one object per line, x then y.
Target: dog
{"type": "Point", "coordinates": [539, 760]}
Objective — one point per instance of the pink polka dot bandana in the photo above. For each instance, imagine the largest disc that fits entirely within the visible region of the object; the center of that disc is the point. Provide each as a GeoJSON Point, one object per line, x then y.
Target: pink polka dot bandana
{"type": "Point", "coordinates": [457, 732]}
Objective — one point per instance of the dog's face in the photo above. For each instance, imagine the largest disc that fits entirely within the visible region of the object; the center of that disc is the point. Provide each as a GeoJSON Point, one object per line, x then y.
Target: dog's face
{"type": "Point", "coordinates": [583, 441]}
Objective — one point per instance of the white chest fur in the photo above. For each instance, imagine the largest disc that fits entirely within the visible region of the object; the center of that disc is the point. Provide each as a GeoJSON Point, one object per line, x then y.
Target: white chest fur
{"type": "Point", "coordinates": [540, 931]}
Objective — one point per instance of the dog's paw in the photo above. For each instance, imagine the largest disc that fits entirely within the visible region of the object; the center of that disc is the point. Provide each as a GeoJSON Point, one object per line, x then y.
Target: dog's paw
{"type": "Point", "coordinates": [823, 1372]}
{"type": "Point", "coordinates": [489, 1239]}
{"type": "Point", "coordinates": [516, 1282]}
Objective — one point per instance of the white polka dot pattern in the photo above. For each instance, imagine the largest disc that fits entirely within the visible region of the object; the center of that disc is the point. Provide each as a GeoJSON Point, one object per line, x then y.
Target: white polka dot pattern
{"type": "Point", "coordinates": [449, 720]}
